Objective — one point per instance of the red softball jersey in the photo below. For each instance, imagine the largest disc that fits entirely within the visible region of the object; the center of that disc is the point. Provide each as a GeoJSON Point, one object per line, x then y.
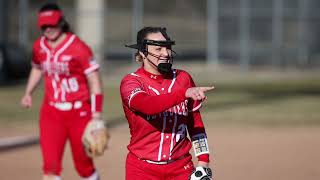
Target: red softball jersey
{"type": "Point", "coordinates": [160, 116]}
{"type": "Point", "coordinates": [65, 68]}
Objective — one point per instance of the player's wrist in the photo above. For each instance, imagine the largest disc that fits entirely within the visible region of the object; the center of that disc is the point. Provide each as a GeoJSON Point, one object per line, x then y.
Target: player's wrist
{"type": "Point", "coordinates": [28, 93]}
{"type": "Point", "coordinates": [96, 115]}
{"type": "Point", "coordinates": [203, 164]}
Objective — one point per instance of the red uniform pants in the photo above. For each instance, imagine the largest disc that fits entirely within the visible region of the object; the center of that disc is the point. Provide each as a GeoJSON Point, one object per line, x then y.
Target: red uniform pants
{"type": "Point", "coordinates": [137, 169]}
{"type": "Point", "coordinates": [56, 127]}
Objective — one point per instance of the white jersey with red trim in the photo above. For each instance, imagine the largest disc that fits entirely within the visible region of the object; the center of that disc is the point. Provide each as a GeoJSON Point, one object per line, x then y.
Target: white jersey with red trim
{"type": "Point", "coordinates": [65, 68]}
{"type": "Point", "coordinates": [161, 136]}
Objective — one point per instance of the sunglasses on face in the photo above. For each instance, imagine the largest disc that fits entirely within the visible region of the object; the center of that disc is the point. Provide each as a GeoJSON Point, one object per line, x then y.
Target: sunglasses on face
{"type": "Point", "coordinates": [44, 27]}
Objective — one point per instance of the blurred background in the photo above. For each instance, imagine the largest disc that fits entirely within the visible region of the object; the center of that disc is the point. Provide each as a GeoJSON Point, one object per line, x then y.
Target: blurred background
{"type": "Point", "coordinates": [262, 56]}
{"type": "Point", "coordinates": [245, 33]}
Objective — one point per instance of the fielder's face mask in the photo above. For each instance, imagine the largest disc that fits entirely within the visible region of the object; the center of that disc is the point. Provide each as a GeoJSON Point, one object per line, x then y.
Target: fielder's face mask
{"type": "Point", "coordinates": [163, 68]}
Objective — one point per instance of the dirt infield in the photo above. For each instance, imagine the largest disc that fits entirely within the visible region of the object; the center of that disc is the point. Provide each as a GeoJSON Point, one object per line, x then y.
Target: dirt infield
{"type": "Point", "coordinates": [240, 154]}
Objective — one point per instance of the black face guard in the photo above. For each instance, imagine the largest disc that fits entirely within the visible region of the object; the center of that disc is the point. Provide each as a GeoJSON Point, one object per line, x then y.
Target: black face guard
{"type": "Point", "coordinates": [168, 43]}
{"type": "Point", "coordinates": [143, 46]}
{"type": "Point", "coordinates": [163, 68]}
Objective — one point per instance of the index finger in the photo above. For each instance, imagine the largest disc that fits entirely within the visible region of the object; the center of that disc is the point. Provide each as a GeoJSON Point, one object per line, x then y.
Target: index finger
{"type": "Point", "coordinates": [204, 89]}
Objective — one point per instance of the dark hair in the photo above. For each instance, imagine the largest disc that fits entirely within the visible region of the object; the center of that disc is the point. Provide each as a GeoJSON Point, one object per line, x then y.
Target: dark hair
{"type": "Point", "coordinates": [62, 22]}
{"type": "Point", "coordinates": [143, 33]}
{"type": "Point", "coordinates": [64, 25]}
{"type": "Point", "coordinates": [49, 6]}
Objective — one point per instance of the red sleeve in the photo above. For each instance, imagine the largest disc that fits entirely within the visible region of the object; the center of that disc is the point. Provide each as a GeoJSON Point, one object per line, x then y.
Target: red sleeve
{"type": "Point", "coordinates": [149, 104]}
{"type": "Point", "coordinates": [135, 97]}
{"type": "Point", "coordinates": [195, 123]}
{"type": "Point", "coordinates": [86, 58]}
{"type": "Point", "coordinates": [196, 128]}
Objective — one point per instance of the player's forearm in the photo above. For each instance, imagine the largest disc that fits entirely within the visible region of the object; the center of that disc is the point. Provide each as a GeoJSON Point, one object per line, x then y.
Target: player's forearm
{"type": "Point", "coordinates": [33, 81]}
{"type": "Point", "coordinates": [150, 105]}
{"type": "Point", "coordinates": [95, 85]}
{"type": "Point", "coordinates": [199, 138]}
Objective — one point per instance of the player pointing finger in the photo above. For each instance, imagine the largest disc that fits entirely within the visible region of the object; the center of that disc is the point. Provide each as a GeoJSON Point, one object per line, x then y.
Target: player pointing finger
{"type": "Point", "coordinates": [162, 106]}
{"type": "Point", "coordinates": [197, 93]}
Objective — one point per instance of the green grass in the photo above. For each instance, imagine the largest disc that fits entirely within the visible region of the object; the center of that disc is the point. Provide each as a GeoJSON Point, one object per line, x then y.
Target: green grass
{"type": "Point", "coordinates": [242, 102]}
{"type": "Point", "coordinates": [11, 113]}
{"type": "Point", "coordinates": [264, 103]}
{"type": "Point", "coordinates": [286, 111]}
{"type": "Point", "coordinates": [10, 109]}
{"type": "Point", "coordinates": [273, 87]}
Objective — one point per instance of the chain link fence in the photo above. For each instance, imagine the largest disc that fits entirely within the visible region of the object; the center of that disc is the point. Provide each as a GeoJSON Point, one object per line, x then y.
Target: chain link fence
{"type": "Point", "coordinates": [248, 33]}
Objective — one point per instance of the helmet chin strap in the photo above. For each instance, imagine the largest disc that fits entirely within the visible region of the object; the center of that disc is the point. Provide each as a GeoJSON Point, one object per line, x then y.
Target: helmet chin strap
{"type": "Point", "coordinates": [151, 62]}
{"type": "Point", "coordinates": [168, 67]}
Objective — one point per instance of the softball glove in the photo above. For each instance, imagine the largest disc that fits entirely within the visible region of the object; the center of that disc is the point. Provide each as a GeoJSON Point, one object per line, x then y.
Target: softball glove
{"type": "Point", "coordinates": [95, 138]}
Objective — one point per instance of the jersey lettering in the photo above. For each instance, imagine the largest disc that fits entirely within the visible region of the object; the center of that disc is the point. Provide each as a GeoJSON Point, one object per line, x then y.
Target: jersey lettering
{"type": "Point", "coordinates": [180, 109]}
{"type": "Point", "coordinates": [73, 84]}
{"type": "Point", "coordinates": [181, 134]}
{"type": "Point", "coordinates": [67, 85]}
{"type": "Point", "coordinates": [64, 85]}
{"type": "Point", "coordinates": [56, 67]}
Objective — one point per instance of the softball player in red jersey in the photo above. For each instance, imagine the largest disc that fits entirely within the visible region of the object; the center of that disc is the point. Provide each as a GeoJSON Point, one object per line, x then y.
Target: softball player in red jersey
{"type": "Point", "coordinates": [161, 105]}
{"type": "Point", "coordinates": [73, 94]}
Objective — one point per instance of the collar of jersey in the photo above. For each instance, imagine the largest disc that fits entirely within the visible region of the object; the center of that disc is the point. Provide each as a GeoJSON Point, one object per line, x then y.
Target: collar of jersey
{"type": "Point", "coordinates": [68, 35]}
{"type": "Point", "coordinates": [155, 77]}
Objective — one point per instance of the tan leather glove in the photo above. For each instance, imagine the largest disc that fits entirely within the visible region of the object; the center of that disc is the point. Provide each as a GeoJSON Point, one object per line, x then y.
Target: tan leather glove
{"type": "Point", "coordinates": [95, 138]}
